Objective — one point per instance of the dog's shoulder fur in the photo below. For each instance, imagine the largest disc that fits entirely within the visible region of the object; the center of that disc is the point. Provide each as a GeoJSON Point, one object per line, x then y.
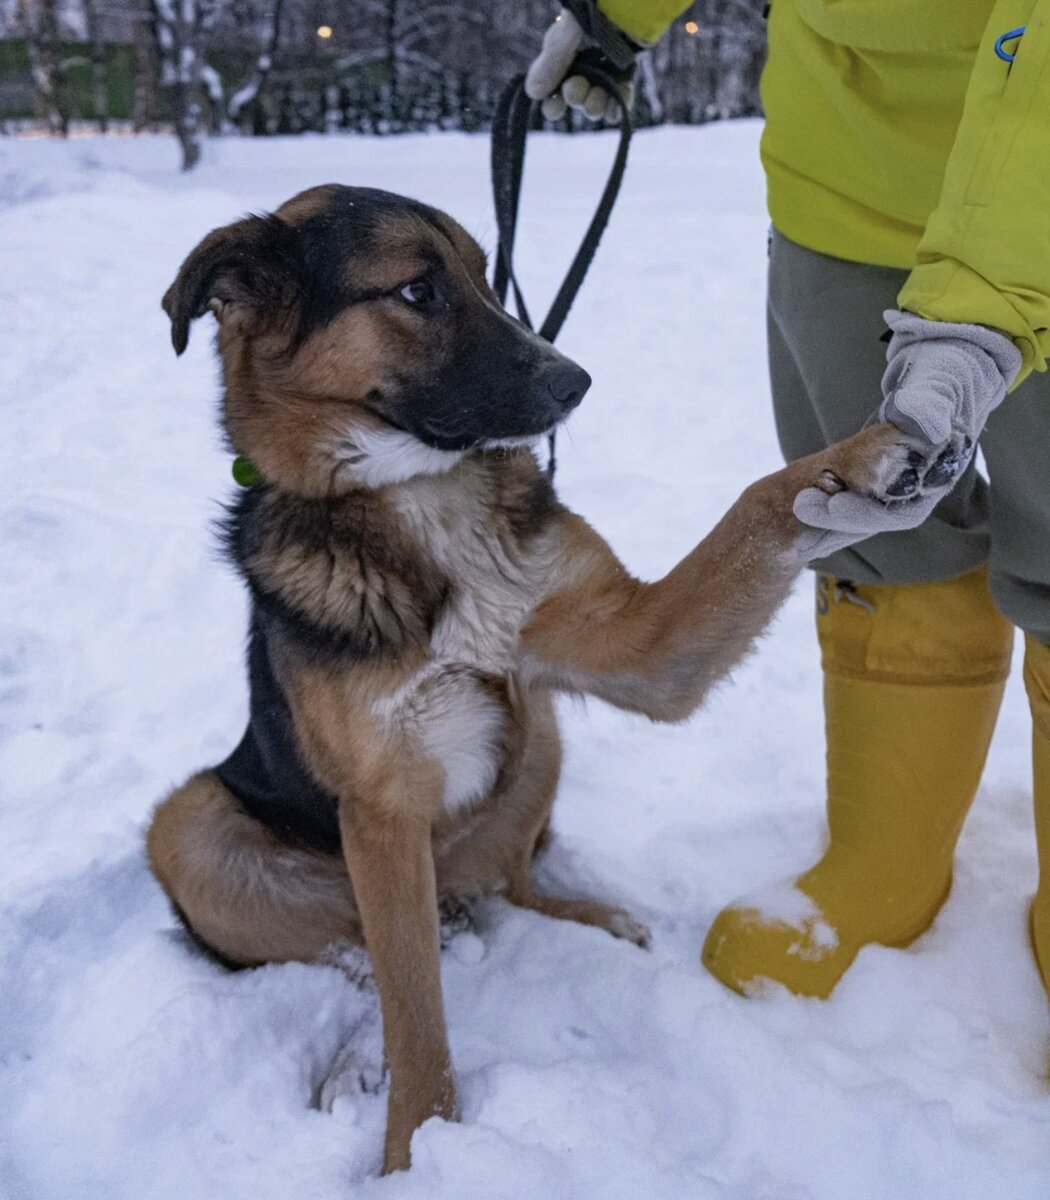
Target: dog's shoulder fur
{"type": "Point", "coordinates": [370, 573]}
{"type": "Point", "coordinates": [336, 576]}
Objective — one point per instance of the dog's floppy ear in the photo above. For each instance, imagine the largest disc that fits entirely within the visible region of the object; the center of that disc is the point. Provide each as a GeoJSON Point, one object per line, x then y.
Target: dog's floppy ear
{"type": "Point", "coordinates": [250, 269]}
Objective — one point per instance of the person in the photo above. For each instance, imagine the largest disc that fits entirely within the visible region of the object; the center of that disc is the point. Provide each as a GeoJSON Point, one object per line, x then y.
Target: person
{"type": "Point", "coordinates": [907, 156]}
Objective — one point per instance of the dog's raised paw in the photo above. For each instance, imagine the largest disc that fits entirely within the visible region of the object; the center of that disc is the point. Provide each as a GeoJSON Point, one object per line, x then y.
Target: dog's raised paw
{"type": "Point", "coordinates": [895, 468]}
{"type": "Point", "coordinates": [914, 468]}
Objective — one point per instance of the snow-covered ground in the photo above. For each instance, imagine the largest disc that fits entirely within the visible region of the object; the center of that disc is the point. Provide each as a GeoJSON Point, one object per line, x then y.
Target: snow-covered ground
{"type": "Point", "coordinates": [132, 1069]}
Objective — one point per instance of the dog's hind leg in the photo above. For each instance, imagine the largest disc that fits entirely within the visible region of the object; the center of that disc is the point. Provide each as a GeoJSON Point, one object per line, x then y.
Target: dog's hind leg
{"type": "Point", "coordinates": [249, 899]}
{"type": "Point", "coordinates": [586, 912]}
{"type": "Point", "coordinates": [244, 894]}
{"type": "Point", "coordinates": [504, 839]}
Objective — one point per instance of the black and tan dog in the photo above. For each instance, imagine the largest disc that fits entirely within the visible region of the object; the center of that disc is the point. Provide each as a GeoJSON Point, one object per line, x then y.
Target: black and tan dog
{"type": "Point", "coordinates": [419, 595]}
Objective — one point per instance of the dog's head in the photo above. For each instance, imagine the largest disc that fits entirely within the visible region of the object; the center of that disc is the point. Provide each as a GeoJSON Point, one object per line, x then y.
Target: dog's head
{"type": "Point", "coordinates": [361, 343]}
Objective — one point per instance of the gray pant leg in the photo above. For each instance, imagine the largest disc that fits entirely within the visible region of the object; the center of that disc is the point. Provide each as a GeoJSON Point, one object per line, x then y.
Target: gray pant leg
{"type": "Point", "coordinates": [1016, 445]}
{"type": "Point", "coordinates": [826, 363]}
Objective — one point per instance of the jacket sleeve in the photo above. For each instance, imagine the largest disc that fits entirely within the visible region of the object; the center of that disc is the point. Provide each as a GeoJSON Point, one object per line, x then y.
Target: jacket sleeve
{"type": "Point", "coordinates": [644, 20]}
{"type": "Point", "coordinates": [984, 258]}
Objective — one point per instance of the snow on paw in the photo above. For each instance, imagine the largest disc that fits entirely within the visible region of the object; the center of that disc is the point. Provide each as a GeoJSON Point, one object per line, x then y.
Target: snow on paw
{"type": "Point", "coordinates": [359, 1068]}
{"type": "Point", "coordinates": [353, 960]}
{"type": "Point", "coordinates": [623, 925]}
{"type": "Point", "coordinates": [455, 916]}
{"type": "Point", "coordinates": [467, 949]}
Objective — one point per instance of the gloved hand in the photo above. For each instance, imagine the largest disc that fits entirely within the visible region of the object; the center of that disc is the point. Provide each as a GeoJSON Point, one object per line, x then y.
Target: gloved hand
{"type": "Point", "coordinates": [546, 78]}
{"type": "Point", "coordinates": [845, 518]}
{"type": "Point", "coordinates": [941, 382]}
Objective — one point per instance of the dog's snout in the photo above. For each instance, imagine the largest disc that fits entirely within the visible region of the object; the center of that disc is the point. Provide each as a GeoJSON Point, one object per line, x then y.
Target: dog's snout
{"type": "Point", "coordinates": [567, 383]}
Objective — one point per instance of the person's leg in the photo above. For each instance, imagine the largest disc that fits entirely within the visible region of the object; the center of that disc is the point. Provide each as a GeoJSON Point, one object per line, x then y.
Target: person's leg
{"type": "Point", "coordinates": [1016, 445]}
{"type": "Point", "coordinates": [914, 657]}
{"type": "Point", "coordinates": [1037, 681]}
{"type": "Point", "coordinates": [913, 678]}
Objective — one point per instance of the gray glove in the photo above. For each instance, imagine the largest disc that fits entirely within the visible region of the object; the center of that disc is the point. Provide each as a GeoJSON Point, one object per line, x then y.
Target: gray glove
{"type": "Point", "coordinates": [845, 518]}
{"type": "Point", "coordinates": [546, 78]}
{"type": "Point", "coordinates": [941, 382]}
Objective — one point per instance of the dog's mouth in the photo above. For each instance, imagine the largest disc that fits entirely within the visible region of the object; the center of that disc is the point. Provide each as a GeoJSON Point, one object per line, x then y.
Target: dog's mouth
{"type": "Point", "coordinates": [441, 436]}
{"type": "Point", "coordinates": [514, 417]}
{"type": "Point", "coordinates": [431, 434]}
{"type": "Point", "coordinates": [442, 439]}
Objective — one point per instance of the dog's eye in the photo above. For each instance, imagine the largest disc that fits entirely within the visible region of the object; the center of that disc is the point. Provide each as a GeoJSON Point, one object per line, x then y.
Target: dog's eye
{"type": "Point", "coordinates": [418, 292]}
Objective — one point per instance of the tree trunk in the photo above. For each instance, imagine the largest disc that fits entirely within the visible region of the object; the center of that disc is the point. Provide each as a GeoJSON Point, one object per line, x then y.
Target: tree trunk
{"type": "Point", "coordinates": [247, 107]}
{"type": "Point", "coordinates": [187, 123]}
{"type": "Point", "coordinates": [99, 90]}
{"type": "Point", "coordinates": [48, 69]}
{"type": "Point", "coordinates": [390, 39]}
{"type": "Point", "coordinates": [144, 113]}
{"type": "Point", "coordinates": [649, 86]}
{"type": "Point", "coordinates": [177, 26]}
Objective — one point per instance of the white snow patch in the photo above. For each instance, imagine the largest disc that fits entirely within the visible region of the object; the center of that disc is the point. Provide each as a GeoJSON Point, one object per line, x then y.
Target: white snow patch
{"type": "Point", "coordinates": [132, 1069]}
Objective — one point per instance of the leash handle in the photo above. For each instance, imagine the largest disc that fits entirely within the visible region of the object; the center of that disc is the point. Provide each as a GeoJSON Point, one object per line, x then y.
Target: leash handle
{"type": "Point", "coordinates": [509, 130]}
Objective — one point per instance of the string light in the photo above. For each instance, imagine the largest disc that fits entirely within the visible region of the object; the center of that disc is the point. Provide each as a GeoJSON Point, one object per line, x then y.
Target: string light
{"type": "Point", "coordinates": [692, 28]}
{"type": "Point", "coordinates": [324, 32]}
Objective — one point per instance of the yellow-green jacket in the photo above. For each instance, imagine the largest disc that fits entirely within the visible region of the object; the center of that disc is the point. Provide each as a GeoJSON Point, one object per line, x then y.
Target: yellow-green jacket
{"type": "Point", "coordinates": [895, 135]}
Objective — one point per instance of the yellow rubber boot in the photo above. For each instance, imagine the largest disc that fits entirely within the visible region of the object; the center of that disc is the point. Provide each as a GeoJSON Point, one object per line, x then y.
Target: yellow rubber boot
{"type": "Point", "coordinates": [1037, 681]}
{"type": "Point", "coordinates": [913, 680]}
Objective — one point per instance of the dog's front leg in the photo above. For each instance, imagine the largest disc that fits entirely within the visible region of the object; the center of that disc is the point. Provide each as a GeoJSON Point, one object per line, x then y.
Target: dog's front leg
{"type": "Point", "coordinates": [657, 648]}
{"type": "Point", "coordinates": [388, 852]}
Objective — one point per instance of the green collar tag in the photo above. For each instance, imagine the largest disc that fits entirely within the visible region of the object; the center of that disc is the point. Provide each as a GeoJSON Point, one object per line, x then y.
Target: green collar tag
{"type": "Point", "coordinates": [245, 472]}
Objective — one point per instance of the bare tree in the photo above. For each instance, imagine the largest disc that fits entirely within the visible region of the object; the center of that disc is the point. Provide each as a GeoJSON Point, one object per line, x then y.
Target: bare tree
{"type": "Point", "coordinates": [144, 110]}
{"type": "Point", "coordinates": [365, 65]}
{"type": "Point", "coordinates": [247, 103]}
{"type": "Point", "coordinates": [179, 27]}
{"type": "Point", "coordinates": [47, 62]}
{"type": "Point", "coordinates": [94, 23]}
{"type": "Point", "coordinates": [649, 86]}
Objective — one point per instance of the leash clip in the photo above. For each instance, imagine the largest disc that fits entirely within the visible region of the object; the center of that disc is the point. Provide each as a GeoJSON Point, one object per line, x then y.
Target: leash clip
{"type": "Point", "coordinates": [1011, 36]}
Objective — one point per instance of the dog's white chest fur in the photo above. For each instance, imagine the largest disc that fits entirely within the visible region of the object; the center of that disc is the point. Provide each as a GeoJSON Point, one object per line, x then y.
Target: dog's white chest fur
{"type": "Point", "coordinates": [449, 707]}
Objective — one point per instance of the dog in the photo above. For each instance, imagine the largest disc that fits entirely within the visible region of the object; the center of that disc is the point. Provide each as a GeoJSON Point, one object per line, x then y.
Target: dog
{"type": "Point", "coordinates": [419, 595]}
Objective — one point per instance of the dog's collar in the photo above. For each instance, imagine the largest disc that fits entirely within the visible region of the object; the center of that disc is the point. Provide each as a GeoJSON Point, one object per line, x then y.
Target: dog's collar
{"type": "Point", "coordinates": [245, 472]}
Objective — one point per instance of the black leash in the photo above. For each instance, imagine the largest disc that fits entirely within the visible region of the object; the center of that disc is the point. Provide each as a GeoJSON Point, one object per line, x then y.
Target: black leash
{"type": "Point", "coordinates": [510, 126]}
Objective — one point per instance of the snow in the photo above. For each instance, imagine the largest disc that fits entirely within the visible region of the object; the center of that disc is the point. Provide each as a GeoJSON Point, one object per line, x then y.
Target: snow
{"type": "Point", "coordinates": [212, 81]}
{"type": "Point", "coordinates": [245, 95]}
{"type": "Point", "coordinates": [783, 904]}
{"type": "Point", "coordinates": [132, 1069]}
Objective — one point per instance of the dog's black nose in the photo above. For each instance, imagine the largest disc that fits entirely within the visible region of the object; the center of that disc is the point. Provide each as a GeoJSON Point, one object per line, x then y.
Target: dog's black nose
{"type": "Point", "coordinates": [567, 383]}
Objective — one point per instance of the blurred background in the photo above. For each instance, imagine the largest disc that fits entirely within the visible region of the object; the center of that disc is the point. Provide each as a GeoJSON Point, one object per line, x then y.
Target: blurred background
{"type": "Point", "coordinates": [205, 68]}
